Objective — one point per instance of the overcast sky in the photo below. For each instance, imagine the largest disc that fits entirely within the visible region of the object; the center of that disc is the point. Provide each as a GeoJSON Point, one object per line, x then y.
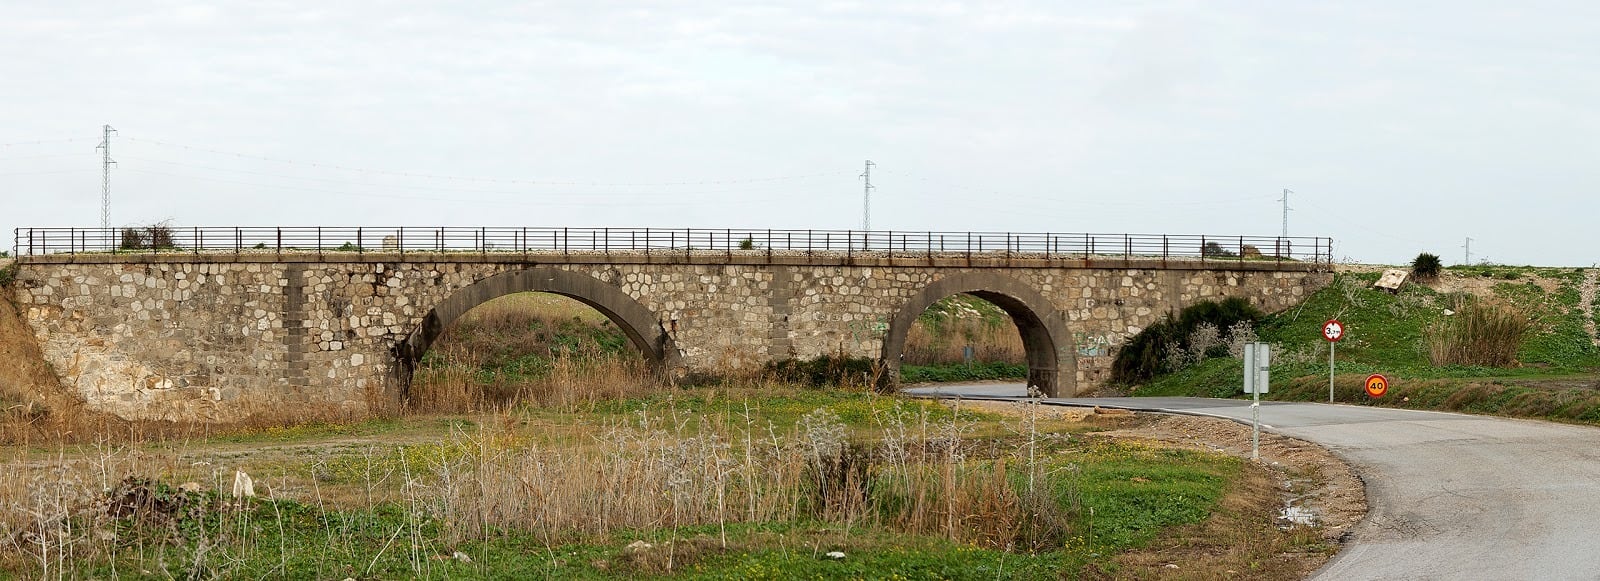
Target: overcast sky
{"type": "Point", "coordinates": [1400, 126]}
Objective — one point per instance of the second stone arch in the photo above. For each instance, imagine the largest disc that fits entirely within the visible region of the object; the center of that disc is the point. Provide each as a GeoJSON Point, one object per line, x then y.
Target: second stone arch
{"type": "Point", "coordinates": [1052, 361]}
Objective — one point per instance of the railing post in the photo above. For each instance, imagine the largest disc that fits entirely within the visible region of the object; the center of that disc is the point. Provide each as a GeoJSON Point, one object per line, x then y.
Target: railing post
{"type": "Point", "coordinates": [1202, 249]}
{"type": "Point", "coordinates": [400, 241]}
{"type": "Point", "coordinates": [1241, 250]}
{"type": "Point", "coordinates": [361, 245]}
{"type": "Point", "coordinates": [199, 239]}
{"type": "Point", "coordinates": [1127, 247]}
{"type": "Point", "coordinates": [238, 241]}
{"type": "Point", "coordinates": [319, 242]}
{"type": "Point", "coordinates": [1164, 249]}
{"type": "Point", "coordinates": [769, 246]}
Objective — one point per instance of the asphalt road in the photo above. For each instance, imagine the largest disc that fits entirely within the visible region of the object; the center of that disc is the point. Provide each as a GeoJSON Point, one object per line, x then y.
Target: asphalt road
{"type": "Point", "coordinates": [1450, 496]}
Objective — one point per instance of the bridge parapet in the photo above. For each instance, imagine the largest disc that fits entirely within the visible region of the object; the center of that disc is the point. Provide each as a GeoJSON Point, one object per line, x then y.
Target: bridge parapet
{"type": "Point", "coordinates": [507, 243]}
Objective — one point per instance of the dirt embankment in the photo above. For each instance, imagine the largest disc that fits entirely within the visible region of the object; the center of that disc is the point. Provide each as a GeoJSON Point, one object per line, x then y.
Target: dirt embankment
{"type": "Point", "coordinates": [29, 389]}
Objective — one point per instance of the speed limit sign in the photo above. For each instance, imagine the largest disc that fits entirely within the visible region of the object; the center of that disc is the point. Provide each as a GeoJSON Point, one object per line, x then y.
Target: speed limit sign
{"type": "Point", "coordinates": [1333, 330]}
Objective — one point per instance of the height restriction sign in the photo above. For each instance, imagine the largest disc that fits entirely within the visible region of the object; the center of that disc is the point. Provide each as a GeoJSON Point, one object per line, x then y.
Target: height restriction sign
{"type": "Point", "coordinates": [1333, 330]}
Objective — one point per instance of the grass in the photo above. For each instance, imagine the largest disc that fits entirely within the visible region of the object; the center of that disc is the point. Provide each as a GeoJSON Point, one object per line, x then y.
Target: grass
{"type": "Point", "coordinates": [716, 480]}
{"type": "Point", "coordinates": [1554, 376]}
{"type": "Point", "coordinates": [567, 466]}
{"type": "Point", "coordinates": [954, 372]}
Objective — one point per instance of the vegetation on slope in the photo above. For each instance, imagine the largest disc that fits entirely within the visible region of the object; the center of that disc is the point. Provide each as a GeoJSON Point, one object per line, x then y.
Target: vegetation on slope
{"type": "Point", "coordinates": [1553, 374]}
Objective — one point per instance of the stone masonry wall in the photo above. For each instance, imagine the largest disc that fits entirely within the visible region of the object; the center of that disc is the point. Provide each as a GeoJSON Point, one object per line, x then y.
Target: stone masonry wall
{"type": "Point", "coordinates": [214, 340]}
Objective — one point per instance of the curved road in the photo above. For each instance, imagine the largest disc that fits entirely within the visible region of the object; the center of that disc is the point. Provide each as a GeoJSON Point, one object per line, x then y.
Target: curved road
{"type": "Point", "coordinates": [1450, 496]}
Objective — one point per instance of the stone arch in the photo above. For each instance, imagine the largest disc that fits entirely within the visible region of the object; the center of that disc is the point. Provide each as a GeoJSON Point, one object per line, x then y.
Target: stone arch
{"type": "Point", "coordinates": [641, 325]}
{"type": "Point", "coordinates": [1052, 360]}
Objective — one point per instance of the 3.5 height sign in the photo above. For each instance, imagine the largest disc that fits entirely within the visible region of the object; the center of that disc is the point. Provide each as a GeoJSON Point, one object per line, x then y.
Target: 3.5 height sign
{"type": "Point", "coordinates": [1333, 331]}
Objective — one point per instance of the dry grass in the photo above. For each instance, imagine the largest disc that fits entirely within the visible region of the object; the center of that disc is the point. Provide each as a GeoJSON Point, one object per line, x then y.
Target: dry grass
{"type": "Point", "coordinates": [664, 470]}
{"type": "Point", "coordinates": [943, 343]}
{"type": "Point", "coordinates": [527, 349]}
{"type": "Point", "coordinates": [654, 472]}
{"type": "Point", "coordinates": [1480, 333]}
{"type": "Point", "coordinates": [570, 382]}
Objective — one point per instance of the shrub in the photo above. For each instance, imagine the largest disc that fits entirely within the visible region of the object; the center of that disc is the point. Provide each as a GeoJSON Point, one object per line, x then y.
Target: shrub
{"type": "Point", "coordinates": [827, 370]}
{"type": "Point", "coordinates": [1426, 267]}
{"type": "Point", "coordinates": [156, 236]}
{"type": "Point", "coordinates": [1478, 334]}
{"type": "Point", "coordinates": [1202, 330]}
{"type": "Point", "coordinates": [747, 244]}
{"type": "Point", "coordinates": [1214, 250]}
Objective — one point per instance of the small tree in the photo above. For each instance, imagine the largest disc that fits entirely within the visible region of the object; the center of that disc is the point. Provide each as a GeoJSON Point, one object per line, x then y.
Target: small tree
{"type": "Point", "coordinates": [1214, 250]}
{"type": "Point", "coordinates": [1426, 267]}
{"type": "Point", "coordinates": [157, 236]}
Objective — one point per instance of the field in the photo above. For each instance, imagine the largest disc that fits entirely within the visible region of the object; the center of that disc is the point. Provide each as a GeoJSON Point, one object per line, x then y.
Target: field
{"type": "Point", "coordinates": [535, 445]}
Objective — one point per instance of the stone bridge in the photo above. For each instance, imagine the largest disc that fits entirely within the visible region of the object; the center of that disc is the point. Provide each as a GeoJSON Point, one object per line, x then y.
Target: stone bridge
{"type": "Point", "coordinates": [216, 336]}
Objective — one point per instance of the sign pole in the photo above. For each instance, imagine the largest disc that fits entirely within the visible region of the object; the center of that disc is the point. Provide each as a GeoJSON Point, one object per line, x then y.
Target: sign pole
{"type": "Point", "coordinates": [1253, 359]}
{"type": "Point", "coordinates": [1255, 428]}
{"type": "Point", "coordinates": [1333, 331]}
{"type": "Point", "coordinates": [1330, 371]}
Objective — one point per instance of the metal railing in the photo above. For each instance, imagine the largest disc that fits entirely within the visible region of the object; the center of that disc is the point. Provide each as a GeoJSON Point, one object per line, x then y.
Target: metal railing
{"type": "Point", "coordinates": [682, 241]}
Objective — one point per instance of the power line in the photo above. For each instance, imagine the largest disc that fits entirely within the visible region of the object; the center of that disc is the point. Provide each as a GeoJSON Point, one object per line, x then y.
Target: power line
{"type": "Point", "coordinates": [327, 166]}
{"type": "Point", "coordinates": [105, 175]}
{"type": "Point", "coordinates": [40, 142]}
{"type": "Point", "coordinates": [742, 189]}
{"type": "Point", "coordinates": [25, 157]}
{"type": "Point", "coordinates": [591, 203]}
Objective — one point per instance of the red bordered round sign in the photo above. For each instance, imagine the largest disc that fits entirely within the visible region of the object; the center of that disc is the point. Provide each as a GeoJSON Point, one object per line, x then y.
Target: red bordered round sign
{"type": "Point", "coordinates": [1333, 330]}
{"type": "Point", "coordinates": [1377, 385]}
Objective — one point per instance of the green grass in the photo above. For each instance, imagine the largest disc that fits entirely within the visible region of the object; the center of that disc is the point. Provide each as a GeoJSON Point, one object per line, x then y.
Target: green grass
{"type": "Point", "coordinates": [278, 434]}
{"type": "Point", "coordinates": [981, 371]}
{"type": "Point", "coordinates": [1384, 334]}
{"type": "Point", "coordinates": [858, 409]}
